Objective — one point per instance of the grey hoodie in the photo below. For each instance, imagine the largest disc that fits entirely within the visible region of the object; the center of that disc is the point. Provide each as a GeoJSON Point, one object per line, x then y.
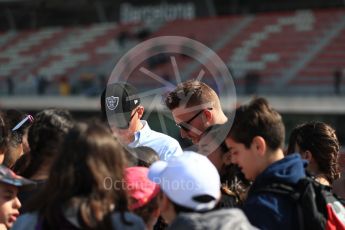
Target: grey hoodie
{"type": "Point", "coordinates": [222, 219]}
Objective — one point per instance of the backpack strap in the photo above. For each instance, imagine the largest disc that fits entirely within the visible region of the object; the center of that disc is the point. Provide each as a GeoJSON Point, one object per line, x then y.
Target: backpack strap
{"type": "Point", "coordinates": [309, 200]}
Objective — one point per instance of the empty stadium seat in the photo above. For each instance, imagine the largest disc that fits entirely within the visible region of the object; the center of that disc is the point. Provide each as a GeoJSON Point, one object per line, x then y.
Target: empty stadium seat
{"type": "Point", "coordinates": [271, 43]}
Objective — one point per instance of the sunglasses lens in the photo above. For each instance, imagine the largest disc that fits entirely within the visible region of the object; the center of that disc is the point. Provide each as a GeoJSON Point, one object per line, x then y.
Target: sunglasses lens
{"type": "Point", "coordinates": [185, 129]}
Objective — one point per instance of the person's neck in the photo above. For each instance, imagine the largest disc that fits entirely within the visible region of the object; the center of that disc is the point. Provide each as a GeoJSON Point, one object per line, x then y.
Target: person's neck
{"type": "Point", "coordinates": [139, 126]}
{"type": "Point", "coordinates": [322, 180]}
{"type": "Point", "coordinates": [274, 156]}
{"type": "Point", "coordinates": [270, 157]}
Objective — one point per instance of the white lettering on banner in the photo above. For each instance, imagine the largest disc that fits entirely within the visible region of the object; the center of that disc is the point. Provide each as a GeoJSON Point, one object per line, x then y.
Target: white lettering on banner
{"type": "Point", "coordinates": [162, 12]}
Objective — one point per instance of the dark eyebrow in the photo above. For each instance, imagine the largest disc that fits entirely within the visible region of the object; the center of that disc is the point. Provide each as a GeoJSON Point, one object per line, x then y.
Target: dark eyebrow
{"type": "Point", "coordinates": [9, 191]}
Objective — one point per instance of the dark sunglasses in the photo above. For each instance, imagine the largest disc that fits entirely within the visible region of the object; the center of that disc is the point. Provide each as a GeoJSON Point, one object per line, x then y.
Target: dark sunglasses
{"type": "Point", "coordinates": [27, 118]}
{"type": "Point", "coordinates": [186, 124]}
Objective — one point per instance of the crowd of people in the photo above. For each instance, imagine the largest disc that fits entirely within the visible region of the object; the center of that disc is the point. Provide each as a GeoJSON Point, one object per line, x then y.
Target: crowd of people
{"type": "Point", "coordinates": [117, 173]}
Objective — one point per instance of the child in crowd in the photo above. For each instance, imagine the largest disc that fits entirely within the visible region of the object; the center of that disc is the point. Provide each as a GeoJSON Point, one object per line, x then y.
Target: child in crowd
{"type": "Point", "coordinates": [9, 202]}
{"type": "Point", "coordinates": [143, 195]}
{"type": "Point", "coordinates": [256, 142]}
{"type": "Point", "coordinates": [145, 157]}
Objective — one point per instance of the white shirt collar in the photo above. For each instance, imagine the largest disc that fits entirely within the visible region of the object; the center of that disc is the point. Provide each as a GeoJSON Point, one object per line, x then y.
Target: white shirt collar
{"type": "Point", "coordinates": [140, 133]}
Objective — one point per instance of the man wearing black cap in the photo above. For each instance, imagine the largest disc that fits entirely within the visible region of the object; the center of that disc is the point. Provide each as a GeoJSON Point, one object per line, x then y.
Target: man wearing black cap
{"type": "Point", "coordinates": [120, 103]}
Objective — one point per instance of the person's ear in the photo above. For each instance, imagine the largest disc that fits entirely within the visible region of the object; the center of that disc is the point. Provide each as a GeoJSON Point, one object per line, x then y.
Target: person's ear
{"type": "Point", "coordinates": [140, 111]}
{"type": "Point", "coordinates": [307, 155]}
{"type": "Point", "coordinates": [259, 145]}
{"type": "Point", "coordinates": [207, 114]}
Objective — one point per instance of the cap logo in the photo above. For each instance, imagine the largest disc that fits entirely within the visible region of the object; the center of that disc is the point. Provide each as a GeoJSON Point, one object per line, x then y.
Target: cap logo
{"type": "Point", "coordinates": [112, 102]}
{"type": "Point", "coordinates": [136, 101]}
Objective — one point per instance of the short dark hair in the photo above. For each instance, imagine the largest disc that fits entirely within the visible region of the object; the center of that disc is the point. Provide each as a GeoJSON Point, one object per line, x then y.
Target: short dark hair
{"type": "Point", "coordinates": [258, 119]}
{"type": "Point", "coordinates": [180, 208]}
{"type": "Point", "coordinates": [146, 156]}
{"type": "Point", "coordinates": [321, 140]}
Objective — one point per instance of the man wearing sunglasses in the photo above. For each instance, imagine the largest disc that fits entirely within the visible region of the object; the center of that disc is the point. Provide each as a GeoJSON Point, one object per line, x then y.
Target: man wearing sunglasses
{"type": "Point", "coordinates": [120, 104]}
{"type": "Point", "coordinates": [195, 106]}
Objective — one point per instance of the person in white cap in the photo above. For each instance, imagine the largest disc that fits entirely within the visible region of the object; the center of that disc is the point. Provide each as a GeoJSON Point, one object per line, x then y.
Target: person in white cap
{"type": "Point", "coordinates": [190, 186]}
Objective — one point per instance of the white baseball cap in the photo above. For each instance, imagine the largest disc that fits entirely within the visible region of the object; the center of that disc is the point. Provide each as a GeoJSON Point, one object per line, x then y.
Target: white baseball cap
{"type": "Point", "coordinates": [189, 180]}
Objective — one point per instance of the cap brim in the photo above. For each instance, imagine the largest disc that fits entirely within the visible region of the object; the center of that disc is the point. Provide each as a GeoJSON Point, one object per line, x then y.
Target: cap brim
{"type": "Point", "coordinates": [18, 182]}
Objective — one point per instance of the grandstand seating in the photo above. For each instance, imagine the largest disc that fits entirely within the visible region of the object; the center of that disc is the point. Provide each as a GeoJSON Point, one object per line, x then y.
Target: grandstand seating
{"type": "Point", "coordinates": [320, 70]}
{"type": "Point", "coordinates": [56, 52]}
{"type": "Point", "coordinates": [202, 30]}
{"type": "Point", "coordinates": [289, 49]}
{"type": "Point", "coordinates": [273, 43]}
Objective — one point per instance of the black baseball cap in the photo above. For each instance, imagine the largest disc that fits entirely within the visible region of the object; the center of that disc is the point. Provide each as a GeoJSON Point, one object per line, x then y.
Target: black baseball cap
{"type": "Point", "coordinates": [118, 101]}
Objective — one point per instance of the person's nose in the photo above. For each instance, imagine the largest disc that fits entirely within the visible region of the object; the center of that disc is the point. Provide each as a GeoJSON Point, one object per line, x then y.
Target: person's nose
{"type": "Point", "coordinates": [16, 203]}
{"type": "Point", "coordinates": [233, 159]}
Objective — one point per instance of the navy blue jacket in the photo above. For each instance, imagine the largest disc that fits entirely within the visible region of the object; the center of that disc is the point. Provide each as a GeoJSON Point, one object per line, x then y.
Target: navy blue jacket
{"type": "Point", "coordinates": [274, 211]}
